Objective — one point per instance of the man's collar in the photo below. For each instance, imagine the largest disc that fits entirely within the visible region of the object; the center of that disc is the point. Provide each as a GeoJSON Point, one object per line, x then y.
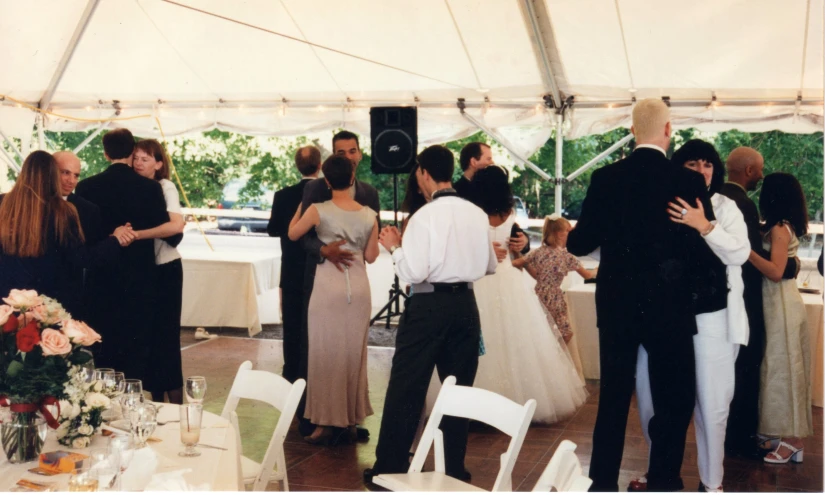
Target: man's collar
{"type": "Point", "coordinates": [447, 191]}
{"type": "Point", "coordinates": [65, 198]}
{"type": "Point", "coordinates": [738, 185]}
{"type": "Point", "coordinates": [653, 147]}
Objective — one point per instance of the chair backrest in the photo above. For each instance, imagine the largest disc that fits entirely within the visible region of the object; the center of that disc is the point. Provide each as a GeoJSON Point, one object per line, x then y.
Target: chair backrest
{"type": "Point", "coordinates": [564, 472]}
{"type": "Point", "coordinates": [233, 420]}
{"type": "Point", "coordinates": [276, 391]}
{"type": "Point", "coordinates": [480, 405]}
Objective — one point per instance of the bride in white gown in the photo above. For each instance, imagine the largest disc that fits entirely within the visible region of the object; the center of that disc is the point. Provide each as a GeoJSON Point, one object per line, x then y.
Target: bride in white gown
{"type": "Point", "coordinates": [525, 357]}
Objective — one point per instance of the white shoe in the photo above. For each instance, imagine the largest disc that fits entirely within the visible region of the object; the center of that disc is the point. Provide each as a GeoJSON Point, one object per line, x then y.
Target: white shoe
{"type": "Point", "coordinates": [775, 458]}
{"type": "Point", "coordinates": [202, 334]}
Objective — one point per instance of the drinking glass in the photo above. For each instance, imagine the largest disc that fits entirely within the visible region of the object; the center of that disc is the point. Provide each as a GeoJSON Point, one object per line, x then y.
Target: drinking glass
{"type": "Point", "coordinates": [124, 446]}
{"type": "Point", "coordinates": [129, 402]}
{"type": "Point", "coordinates": [120, 383]}
{"type": "Point", "coordinates": [81, 480]}
{"type": "Point", "coordinates": [143, 420]}
{"type": "Point", "coordinates": [105, 466]}
{"type": "Point", "coordinates": [195, 389]}
{"type": "Point", "coordinates": [100, 373]}
{"type": "Point", "coordinates": [132, 386]}
{"type": "Point", "coordinates": [190, 428]}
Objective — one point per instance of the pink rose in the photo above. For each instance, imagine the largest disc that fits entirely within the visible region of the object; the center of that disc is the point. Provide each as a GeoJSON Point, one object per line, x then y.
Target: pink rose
{"type": "Point", "coordinates": [80, 333]}
{"type": "Point", "coordinates": [54, 343]}
{"type": "Point", "coordinates": [5, 312]}
{"type": "Point", "coordinates": [23, 299]}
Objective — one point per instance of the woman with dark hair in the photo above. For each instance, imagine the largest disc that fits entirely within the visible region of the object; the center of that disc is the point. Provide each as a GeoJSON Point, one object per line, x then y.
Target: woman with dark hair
{"type": "Point", "coordinates": [785, 383]}
{"type": "Point", "coordinates": [166, 373]}
{"type": "Point", "coordinates": [413, 198]}
{"type": "Point", "coordinates": [41, 241]}
{"type": "Point", "coordinates": [339, 309]}
{"type": "Point", "coordinates": [721, 320]}
{"type": "Point", "coordinates": [525, 356]}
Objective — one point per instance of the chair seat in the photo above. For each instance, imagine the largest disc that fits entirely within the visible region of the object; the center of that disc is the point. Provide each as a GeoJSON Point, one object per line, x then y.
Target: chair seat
{"type": "Point", "coordinates": [250, 470]}
{"type": "Point", "coordinates": [423, 482]}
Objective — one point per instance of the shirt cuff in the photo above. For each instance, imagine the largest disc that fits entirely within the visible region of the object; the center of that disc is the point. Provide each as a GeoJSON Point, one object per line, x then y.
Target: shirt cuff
{"type": "Point", "coordinates": [398, 254]}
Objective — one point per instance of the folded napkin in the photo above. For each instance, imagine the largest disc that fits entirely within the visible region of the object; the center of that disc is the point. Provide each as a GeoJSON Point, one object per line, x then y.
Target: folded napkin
{"type": "Point", "coordinates": [174, 482]}
{"type": "Point", "coordinates": [144, 464]}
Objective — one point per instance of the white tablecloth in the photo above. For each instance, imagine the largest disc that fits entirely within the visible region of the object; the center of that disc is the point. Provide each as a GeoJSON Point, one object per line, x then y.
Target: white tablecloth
{"type": "Point", "coordinates": [217, 468]}
{"type": "Point", "coordinates": [581, 304]}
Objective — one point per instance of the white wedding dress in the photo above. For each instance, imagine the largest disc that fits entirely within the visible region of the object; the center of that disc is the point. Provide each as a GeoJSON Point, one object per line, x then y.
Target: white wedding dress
{"type": "Point", "coordinates": [526, 357]}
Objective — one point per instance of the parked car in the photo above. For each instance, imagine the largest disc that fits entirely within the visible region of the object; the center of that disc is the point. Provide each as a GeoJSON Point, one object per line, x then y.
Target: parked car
{"type": "Point", "coordinates": [521, 210]}
{"type": "Point", "coordinates": [230, 202]}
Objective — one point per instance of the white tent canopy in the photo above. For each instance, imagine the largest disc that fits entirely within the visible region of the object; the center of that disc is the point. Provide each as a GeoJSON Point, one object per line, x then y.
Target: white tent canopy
{"type": "Point", "coordinates": [293, 67]}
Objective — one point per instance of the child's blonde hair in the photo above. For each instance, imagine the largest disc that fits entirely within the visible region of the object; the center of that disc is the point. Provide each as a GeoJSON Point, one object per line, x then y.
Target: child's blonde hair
{"type": "Point", "coordinates": [553, 225]}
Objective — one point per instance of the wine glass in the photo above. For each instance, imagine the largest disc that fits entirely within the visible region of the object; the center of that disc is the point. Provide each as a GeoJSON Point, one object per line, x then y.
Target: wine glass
{"type": "Point", "coordinates": [81, 480]}
{"type": "Point", "coordinates": [190, 428]}
{"type": "Point", "coordinates": [120, 383]}
{"type": "Point", "coordinates": [195, 389]}
{"type": "Point", "coordinates": [105, 466]}
{"type": "Point", "coordinates": [124, 446]}
{"type": "Point", "coordinates": [100, 373]}
{"type": "Point", "coordinates": [132, 386]}
{"type": "Point", "coordinates": [130, 402]}
{"type": "Point", "coordinates": [143, 420]}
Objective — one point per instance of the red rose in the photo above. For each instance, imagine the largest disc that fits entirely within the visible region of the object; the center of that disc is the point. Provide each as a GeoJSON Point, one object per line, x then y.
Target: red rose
{"type": "Point", "coordinates": [11, 324]}
{"type": "Point", "coordinates": [28, 337]}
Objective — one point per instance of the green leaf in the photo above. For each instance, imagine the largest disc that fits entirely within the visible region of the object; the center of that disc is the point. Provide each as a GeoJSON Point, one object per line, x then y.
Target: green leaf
{"type": "Point", "coordinates": [14, 368]}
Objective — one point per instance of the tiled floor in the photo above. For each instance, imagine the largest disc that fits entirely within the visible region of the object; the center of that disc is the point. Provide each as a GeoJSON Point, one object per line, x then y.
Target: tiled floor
{"type": "Point", "coordinates": [312, 468]}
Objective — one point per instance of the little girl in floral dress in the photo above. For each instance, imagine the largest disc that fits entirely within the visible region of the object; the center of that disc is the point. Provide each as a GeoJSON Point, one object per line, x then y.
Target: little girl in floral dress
{"type": "Point", "coordinates": [549, 264]}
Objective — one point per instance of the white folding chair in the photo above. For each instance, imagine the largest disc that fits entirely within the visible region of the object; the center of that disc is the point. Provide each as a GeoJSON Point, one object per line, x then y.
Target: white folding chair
{"type": "Point", "coordinates": [278, 393]}
{"type": "Point", "coordinates": [564, 472]}
{"type": "Point", "coordinates": [471, 403]}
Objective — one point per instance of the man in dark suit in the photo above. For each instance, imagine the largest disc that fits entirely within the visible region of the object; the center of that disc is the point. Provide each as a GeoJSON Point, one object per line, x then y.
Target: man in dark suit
{"type": "Point", "coordinates": [745, 166]}
{"type": "Point", "coordinates": [123, 294]}
{"type": "Point", "coordinates": [293, 258]}
{"type": "Point", "coordinates": [643, 297]}
{"type": "Point", "coordinates": [476, 156]}
{"type": "Point", "coordinates": [345, 144]}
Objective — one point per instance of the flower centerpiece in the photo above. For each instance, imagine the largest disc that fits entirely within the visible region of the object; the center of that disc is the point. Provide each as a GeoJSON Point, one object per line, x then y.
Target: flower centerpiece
{"type": "Point", "coordinates": [81, 414]}
{"type": "Point", "coordinates": [39, 345]}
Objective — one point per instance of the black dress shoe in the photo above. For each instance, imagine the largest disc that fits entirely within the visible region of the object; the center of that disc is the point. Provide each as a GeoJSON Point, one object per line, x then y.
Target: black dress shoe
{"type": "Point", "coordinates": [369, 473]}
{"type": "Point", "coordinates": [701, 488]}
{"type": "Point", "coordinates": [305, 427]}
{"type": "Point", "coordinates": [362, 433]}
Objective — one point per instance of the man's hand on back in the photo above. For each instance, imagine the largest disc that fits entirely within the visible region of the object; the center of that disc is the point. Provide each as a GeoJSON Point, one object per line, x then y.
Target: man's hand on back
{"type": "Point", "coordinates": [341, 258]}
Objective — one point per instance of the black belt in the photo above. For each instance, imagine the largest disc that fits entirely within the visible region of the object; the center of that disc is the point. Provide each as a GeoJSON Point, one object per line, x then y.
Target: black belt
{"type": "Point", "coordinates": [451, 288]}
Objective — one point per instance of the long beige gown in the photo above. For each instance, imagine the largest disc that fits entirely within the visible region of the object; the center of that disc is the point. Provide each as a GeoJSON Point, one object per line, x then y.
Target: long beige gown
{"type": "Point", "coordinates": [338, 324]}
{"type": "Point", "coordinates": [785, 382]}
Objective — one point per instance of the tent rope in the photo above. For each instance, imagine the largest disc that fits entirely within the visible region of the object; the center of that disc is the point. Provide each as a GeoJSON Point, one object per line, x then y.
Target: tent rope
{"type": "Point", "coordinates": [67, 117]}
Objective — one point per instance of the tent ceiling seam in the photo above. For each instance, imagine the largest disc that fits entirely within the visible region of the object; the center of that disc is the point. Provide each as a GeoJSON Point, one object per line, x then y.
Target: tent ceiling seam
{"type": "Point", "coordinates": [174, 49]}
{"type": "Point", "coordinates": [314, 51]}
{"type": "Point", "coordinates": [309, 43]}
{"type": "Point", "coordinates": [624, 44]}
{"type": "Point", "coordinates": [805, 45]}
{"type": "Point", "coordinates": [463, 44]}
{"type": "Point", "coordinates": [540, 49]}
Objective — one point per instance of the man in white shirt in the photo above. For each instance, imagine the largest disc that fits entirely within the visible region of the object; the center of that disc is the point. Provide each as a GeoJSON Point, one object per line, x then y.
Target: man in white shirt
{"type": "Point", "coordinates": [446, 247]}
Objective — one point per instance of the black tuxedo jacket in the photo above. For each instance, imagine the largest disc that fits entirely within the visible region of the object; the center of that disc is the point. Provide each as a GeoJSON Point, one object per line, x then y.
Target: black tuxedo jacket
{"type": "Point", "coordinates": [90, 219]}
{"type": "Point", "coordinates": [293, 257]}
{"type": "Point", "coordinates": [643, 284]}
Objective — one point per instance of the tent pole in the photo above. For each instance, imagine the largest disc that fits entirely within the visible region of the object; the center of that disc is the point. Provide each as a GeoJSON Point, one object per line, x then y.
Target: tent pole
{"type": "Point", "coordinates": [10, 159]}
{"type": "Point", "coordinates": [41, 137]}
{"type": "Point", "coordinates": [93, 135]}
{"type": "Point", "coordinates": [12, 146]}
{"type": "Point", "coordinates": [559, 161]}
{"type": "Point", "coordinates": [46, 100]}
{"type": "Point", "coordinates": [503, 142]}
{"type": "Point", "coordinates": [618, 144]}
{"type": "Point", "coordinates": [537, 22]}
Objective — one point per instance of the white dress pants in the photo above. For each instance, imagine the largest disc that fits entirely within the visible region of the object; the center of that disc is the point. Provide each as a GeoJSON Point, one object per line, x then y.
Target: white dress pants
{"type": "Point", "coordinates": [715, 380]}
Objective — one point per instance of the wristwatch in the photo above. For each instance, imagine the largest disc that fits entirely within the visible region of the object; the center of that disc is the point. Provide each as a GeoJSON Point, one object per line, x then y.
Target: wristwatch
{"type": "Point", "coordinates": [393, 248]}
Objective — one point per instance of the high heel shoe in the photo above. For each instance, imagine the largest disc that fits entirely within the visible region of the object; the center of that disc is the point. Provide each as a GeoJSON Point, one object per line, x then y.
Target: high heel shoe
{"type": "Point", "coordinates": [322, 438]}
{"type": "Point", "coordinates": [775, 458]}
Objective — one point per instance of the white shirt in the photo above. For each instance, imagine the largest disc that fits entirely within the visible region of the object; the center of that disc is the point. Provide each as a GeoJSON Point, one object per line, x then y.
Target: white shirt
{"type": "Point", "coordinates": [446, 241]}
{"type": "Point", "coordinates": [164, 253]}
{"type": "Point", "coordinates": [653, 147]}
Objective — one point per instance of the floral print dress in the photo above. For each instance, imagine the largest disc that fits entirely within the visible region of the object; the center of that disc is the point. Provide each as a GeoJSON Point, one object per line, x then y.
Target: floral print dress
{"type": "Point", "coordinates": [551, 265]}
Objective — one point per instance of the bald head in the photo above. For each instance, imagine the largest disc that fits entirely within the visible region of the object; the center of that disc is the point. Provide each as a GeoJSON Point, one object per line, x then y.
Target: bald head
{"type": "Point", "coordinates": [308, 161]}
{"type": "Point", "coordinates": [69, 166]}
{"type": "Point", "coordinates": [745, 166]}
{"type": "Point", "coordinates": [651, 123]}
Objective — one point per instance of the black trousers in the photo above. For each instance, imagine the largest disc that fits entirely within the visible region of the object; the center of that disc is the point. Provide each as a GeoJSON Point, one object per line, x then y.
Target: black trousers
{"type": "Point", "coordinates": [743, 420]}
{"type": "Point", "coordinates": [166, 371]}
{"type": "Point", "coordinates": [292, 304]}
{"type": "Point", "coordinates": [437, 330]}
{"type": "Point", "coordinates": [673, 390]}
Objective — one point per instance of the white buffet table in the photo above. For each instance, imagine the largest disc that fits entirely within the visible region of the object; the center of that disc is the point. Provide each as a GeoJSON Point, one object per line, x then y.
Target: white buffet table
{"type": "Point", "coordinates": [216, 468]}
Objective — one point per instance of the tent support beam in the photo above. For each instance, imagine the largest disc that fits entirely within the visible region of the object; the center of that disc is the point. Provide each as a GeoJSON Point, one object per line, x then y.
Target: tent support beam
{"type": "Point", "coordinates": [559, 162]}
{"type": "Point", "coordinates": [41, 137]}
{"type": "Point", "coordinates": [102, 127]}
{"type": "Point", "coordinates": [10, 159]}
{"type": "Point", "coordinates": [503, 142]}
{"type": "Point", "coordinates": [601, 156]}
{"type": "Point", "coordinates": [537, 22]}
{"type": "Point", "coordinates": [46, 100]}
{"type": "Point", "coordinates": [12, 146]}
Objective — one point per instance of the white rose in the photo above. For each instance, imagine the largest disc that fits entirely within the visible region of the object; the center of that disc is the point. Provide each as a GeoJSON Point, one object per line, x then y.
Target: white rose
{"type": "Point", "coordinates": [86, 430]}
{"type": "Point", "coordinates": [95, 399]}
{"type": "Point", "coordinates": [23, 299]}
{"type": "Point", "coordinates": [62, 431]}
{"type": "Point", "coordinates": [5, 312]}
{"type": "Point", "coordinates": [80, 442]}
{"type": "Point", "coordinates": [65, 408]}
{"type": "Point", "coordinates": [75, 411]}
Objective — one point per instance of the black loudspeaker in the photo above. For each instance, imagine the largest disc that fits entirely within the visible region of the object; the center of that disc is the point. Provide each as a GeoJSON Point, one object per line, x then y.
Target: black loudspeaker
{"type": "Point", "coordinates": [394, 137]}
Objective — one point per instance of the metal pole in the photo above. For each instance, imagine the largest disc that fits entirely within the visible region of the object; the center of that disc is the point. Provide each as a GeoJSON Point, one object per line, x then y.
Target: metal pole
{"type": "Point", "coordinates": [11, 159]}
{"type": "Point", "coordinates": [12, 146]}
{"type": "Point", "coordinates": [41, 137]}
{"type": "Point", "coordinates": [503, 142]}
{"type": "Point", "coordinates": [559, 172]}
{"type": "Point", "coordinates": [618, 144]}
{"type": "Point", "coordinates": [93, 135]}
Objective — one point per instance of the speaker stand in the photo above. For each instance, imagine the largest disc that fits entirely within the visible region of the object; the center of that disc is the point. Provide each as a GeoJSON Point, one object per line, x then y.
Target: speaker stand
{"type": "Point", "coordinates": [393, 306]}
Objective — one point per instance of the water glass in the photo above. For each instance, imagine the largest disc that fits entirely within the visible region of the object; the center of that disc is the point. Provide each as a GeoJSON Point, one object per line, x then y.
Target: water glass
{"type": "Point", "coordinates": [100, 373]}
{"type": "Point", "coordinates": [81, 480]}
{"type": "Point", "coordinates": [132, 386]}
{"type": "Point", "coordinates": [120, 383]}
{"type": "Point", "coordinates": [195, 389]}
{"type": "Point", "coordinates": [143, 420]}
{"type": "Point", "coordinates": [105, 467]}
{"type": "Point", "coordinates": [130, 402]}
{"type": "Point", "coordinates": [124, 447]}
{"type": "Point", "coordinates": [190, 428]}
